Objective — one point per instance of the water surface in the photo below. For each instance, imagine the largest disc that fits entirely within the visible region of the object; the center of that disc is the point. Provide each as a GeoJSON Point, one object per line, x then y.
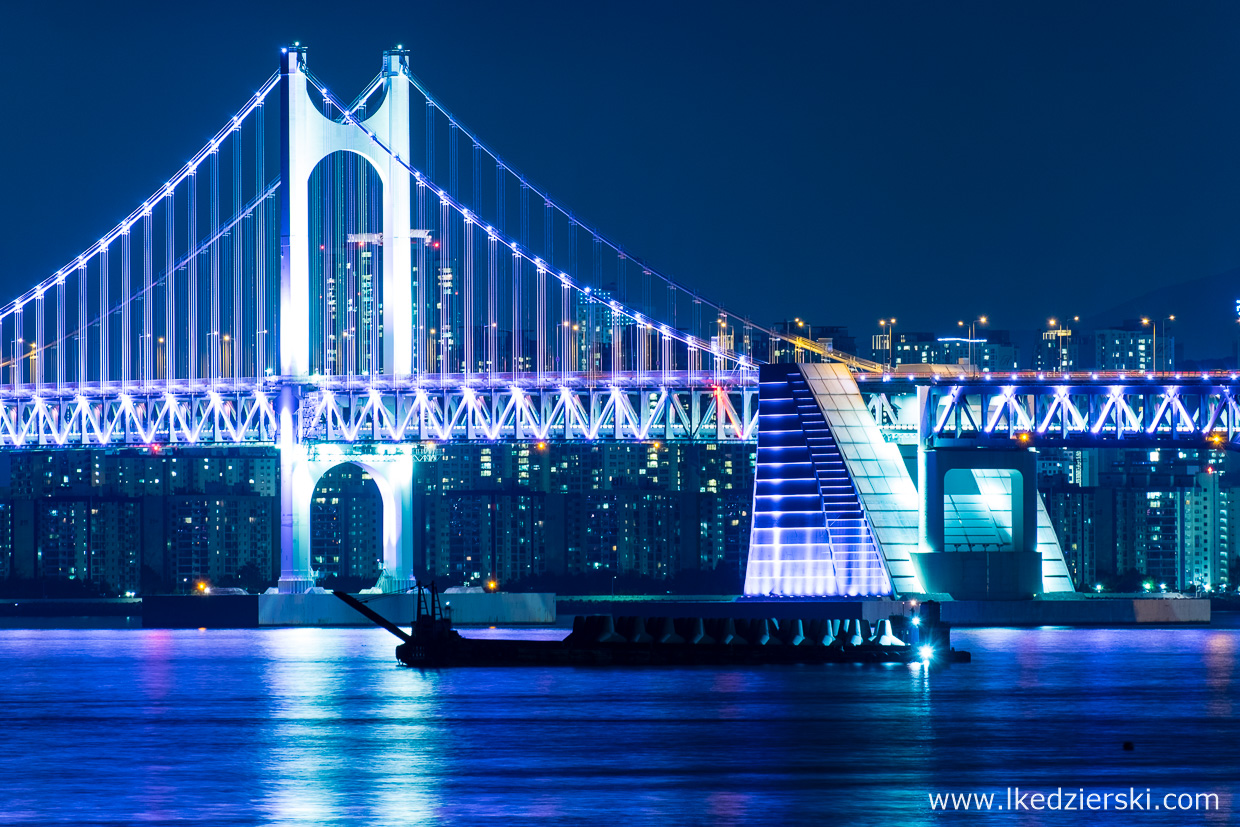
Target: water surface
{"type": "Point", "coordinates": [321, 726]}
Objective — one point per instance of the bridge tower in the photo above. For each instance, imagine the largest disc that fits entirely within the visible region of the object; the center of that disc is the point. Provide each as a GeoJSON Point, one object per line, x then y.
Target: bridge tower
{"type": "Point", "coordinates": [307, 137]}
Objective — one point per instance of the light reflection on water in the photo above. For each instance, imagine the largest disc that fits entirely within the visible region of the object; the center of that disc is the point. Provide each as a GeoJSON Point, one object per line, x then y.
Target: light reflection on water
{"type": "Point", "coordinates": [316, 726]}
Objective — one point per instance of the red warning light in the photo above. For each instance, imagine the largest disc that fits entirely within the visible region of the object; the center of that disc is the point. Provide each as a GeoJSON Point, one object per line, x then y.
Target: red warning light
{"type": "Point", "coordinates": [435, 244]}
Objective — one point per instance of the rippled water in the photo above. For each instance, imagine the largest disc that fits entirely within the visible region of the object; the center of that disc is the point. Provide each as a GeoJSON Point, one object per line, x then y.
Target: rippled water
{"type": "Point", "coordinates": [318, 726]}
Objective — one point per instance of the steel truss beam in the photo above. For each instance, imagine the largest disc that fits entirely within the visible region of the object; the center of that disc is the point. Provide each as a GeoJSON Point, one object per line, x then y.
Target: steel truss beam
{"type": "Point", "coordinates": [375, 414]}
{"type": "Point", "coordinates": [559, 414]}
{"type": "Point", "coordinates": [1083, 413]}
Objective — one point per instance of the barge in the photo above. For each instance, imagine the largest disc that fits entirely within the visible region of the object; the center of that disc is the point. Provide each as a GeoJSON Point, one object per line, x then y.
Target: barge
{"type": "Point", "coordinates": [604, 640]}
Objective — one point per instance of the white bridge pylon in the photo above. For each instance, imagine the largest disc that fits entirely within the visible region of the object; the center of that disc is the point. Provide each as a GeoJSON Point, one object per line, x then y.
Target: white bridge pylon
{"type": "Point", "coordinates": [308, 137]}
{"type": "Point", "coordinates": [311, 137]}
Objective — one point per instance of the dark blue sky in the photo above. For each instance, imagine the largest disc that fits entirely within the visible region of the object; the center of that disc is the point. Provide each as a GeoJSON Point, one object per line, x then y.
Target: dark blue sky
{"type": "Point", "coordinates": [834, 161]}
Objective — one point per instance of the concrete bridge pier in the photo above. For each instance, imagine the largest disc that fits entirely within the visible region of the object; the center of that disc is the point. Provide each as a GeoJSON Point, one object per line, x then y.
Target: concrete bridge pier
{"type": "Point", "coordinates": [391, 467]}
{"type": "Point", "coordinates": [989, 499]}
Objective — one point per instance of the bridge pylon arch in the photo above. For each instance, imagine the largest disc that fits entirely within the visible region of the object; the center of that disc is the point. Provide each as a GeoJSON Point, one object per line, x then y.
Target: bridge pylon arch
{"type": "Point", "coordinates": [307, 137]}
{"type": "Point", "coordinates": [392, 469]}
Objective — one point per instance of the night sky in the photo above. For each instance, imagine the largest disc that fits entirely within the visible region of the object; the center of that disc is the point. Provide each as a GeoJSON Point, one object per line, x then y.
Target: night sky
{"type": "Point", "coordinates": [929, 161]}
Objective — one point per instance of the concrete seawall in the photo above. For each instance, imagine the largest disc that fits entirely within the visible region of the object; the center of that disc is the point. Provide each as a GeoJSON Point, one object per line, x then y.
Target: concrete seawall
{"type": "Point", "coordinates": [1075, 611]}
{"type": "Point", "coordinates": [480, 609]}
{"type": "Point", "coordinates": [250, 611]}
{"type": "Point", "coordinates": [1133, 611]}
{"type": "Point", "coordinates": [467, 609]}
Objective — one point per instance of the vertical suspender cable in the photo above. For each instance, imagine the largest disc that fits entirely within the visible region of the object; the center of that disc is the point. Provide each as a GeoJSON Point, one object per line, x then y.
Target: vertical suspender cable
{"type": "Point", "coordinates": [347, 214]}
{"type": "Point", "coordinates": [426, 280]}
{"type": "Point", "coordinates": [571, 302]}
{"type": "Point", "coordinates": [501, 199]}
{"type": "Point", "coordinates": [354, 216]}
{"type": "Point", "coordinates": [235, 351]}
{"type": "Point", "coordinates": [18, 353]}
{"type": "Point", "coordinates": [146, 338]}
{"type": "Point", "coordinates": [596, 335]}
{"type": "Point", "coordinates": [540, 320]}
{"type": "Point", "coordinates": [492, 305]}
{"type": "Point", "coordinates": [214, 341]}
{"type": "Point", "coordinates": [105, 342]}
{"type": "Point", "coordinates": [617, 343]}
{"type": "Point", "coordinates": [430, 141]}
{"type": "Point", "coordinates": [642, 331]}
{"type": "Point", "coordinates": [444, 269]}
{"type": "Point", "coordinates": [325, 283]}
{"type": "Point", "coordinates": [420, 297]}
{"type": "Point", "coordinates": [477, 178]}
{"type": "Point", "coordinates": [373, 318]}
{"type": "Point", "coordinates": [369, 268]}
{"type": "Point", "coordinates": [38, 370]}
{"type": "Point", "coordinates": [126, 296]}
{"type": "Point", "coordinates": [61, 338]}
{"type": "Point", "coordinates": [170, 290]}
{"type": "Point", "coordinates": [83, 319]}
{"type": "Point", "coordinates": [453, 190]}
{"type": "Point", "coordinates": [647, 310]}
{"type": "Point", "coordinates": [467, 297]}
{"type": "Point", "coordinates": [695, 355]}
{"type": "Point", "coordinates": [448, 335]}
{"type": "Point", "coordinates": [191, 290]}
{"type": "Point", "coordinates": [260, 255]}
{"type": "Point", "coordinates": [517, 348]}
{"type": "Point", "coordinates": [672, 297]}
{"type": "Point", "coordinates": [520, 265]}
{"type": "Point", "coordinates": [354, 212]}
{"type": "Point", "coordinates": [566, 334]}
{"type": "Point", "coordinates": [546, 354]}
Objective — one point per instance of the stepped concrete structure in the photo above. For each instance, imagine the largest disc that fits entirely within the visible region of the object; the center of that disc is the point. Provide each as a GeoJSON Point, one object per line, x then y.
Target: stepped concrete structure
{"type": "Point", "coordinates": [838, 511]}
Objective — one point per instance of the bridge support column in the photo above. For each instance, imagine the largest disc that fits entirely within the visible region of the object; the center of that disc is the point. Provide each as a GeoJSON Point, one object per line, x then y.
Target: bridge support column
{"type": "Point", "coordinates": [296, 491]}
{"type": "Point", "coordinates": [392, 123]}
{"type": "Point", "coordinates": [393, 472]}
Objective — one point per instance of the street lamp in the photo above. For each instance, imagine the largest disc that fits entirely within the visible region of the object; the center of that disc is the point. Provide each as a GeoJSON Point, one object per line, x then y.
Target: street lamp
{"type": "Point", "coordinates": [972, 327]}
{"type": "Point", "coordinates": [888, 324]}
{"type": "Point", "coordinates": [1154, 343]}
{"type": "Point", "coordinates": [1171, 359]}
{"type": "Point", "coordinates": [1063, 331]}
{"type": "Point", "coordinates": [797, 336]}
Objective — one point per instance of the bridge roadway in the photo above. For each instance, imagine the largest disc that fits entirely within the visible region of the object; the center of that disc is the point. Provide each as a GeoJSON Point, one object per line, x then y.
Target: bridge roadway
{"type": "Point", "coordinates": [941, 408]}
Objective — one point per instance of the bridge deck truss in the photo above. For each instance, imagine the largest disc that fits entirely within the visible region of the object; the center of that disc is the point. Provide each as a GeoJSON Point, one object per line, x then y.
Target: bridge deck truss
{"type": "Point", "coordinates": [1084, 412]}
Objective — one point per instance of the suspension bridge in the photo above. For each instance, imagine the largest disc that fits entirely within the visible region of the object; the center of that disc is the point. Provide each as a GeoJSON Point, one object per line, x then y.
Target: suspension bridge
{"type": "Point", "coordinates": [347, 281]}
